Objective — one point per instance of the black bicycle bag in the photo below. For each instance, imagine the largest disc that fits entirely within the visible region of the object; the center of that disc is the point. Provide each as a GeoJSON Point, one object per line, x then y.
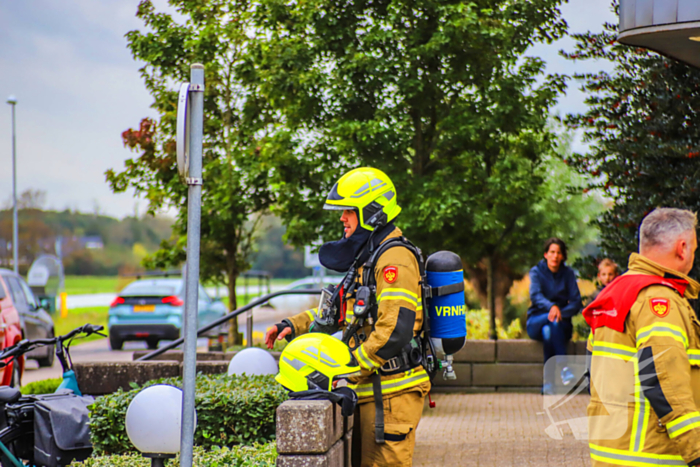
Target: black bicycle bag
{"type": "Point", "coordinates": [61, 429]}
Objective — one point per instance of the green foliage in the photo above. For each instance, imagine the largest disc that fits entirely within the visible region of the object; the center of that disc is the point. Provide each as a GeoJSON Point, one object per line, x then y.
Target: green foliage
{"type": "Point", "coordinates": [230, 411]}
{"type": "Point", "coordinates": [45, 386]}
{"type": "Point", "coordinates": [478, 326]}
{"type": "Point", "coordinates": [581, 328]}
{"type": "Point", "coordinates": [80, 316]}
{"type": "Point", "coordinates": [236, 190]}
{"type": "Point", "coordinates": [441, 97]}
{"type": "Point", "coordinates": [41, 228]}
{"type": "Point", "coordinates": [273, 255]}
{"type": "Point", "coordinates": [236, 456]}
{"type": "Point", "coordinates": [644, 141]}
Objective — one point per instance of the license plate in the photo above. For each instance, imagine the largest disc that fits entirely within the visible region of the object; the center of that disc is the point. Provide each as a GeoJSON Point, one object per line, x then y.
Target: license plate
{"type": "Point", "coordinates": [144, 308]}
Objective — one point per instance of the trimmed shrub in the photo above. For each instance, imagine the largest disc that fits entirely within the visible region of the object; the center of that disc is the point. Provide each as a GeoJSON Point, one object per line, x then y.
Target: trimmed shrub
{"type": "Point", "coordinates": [45, 386]}
{"type": "Point", "coordinates": [237, 456]}
{"type": "Point", "coordinates": [230, 411]}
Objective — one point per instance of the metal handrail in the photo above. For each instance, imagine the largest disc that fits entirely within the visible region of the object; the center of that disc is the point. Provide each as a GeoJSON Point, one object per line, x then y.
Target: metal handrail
{"type": "Point", "coordinates": [227, 317]}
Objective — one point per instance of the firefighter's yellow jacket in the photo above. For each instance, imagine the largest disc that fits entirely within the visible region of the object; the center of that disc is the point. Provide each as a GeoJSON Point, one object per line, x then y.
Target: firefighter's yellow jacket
{"type": "Point", "coordinates": [645, 381]}
{"type": "Point", "coordinates": [399, 319]}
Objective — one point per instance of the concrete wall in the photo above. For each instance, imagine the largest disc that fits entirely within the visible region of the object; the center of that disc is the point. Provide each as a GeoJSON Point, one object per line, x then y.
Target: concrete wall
{"type": "Point", "coordinates": [481, 366]}
{"type": "Point", "coordinates": [509, 365]}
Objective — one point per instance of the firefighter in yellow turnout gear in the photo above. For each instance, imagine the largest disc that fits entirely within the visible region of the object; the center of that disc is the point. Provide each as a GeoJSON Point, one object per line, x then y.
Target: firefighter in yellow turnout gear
{"type": "Point", "coordinates": [368, 201]}
{"type": "Point", "coordinates": [645, 346]}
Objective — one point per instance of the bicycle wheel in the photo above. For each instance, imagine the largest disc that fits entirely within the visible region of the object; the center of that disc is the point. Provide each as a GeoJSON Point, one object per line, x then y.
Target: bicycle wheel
{"type": "Point", "coordinates": [9, 437]}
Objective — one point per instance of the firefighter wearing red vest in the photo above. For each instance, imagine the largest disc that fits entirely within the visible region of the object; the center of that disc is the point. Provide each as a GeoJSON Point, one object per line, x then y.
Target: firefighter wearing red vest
{"type": "Point", "coordinates": [645, 346]}
{"type": "Point", "coordinates": [367, 199]}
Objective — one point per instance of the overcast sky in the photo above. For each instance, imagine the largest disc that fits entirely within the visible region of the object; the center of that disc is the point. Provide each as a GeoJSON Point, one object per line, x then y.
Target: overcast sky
{"type": "Point", "coordinates": [78, 88]}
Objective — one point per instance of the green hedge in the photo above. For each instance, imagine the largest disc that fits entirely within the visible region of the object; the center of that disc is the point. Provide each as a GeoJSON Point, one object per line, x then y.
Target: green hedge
{"type": "Point", "coordinates": [230, 411]}
{"type": "Point", "coordinates": [238, 456]}
{"type": "Point", "coordinates": [45, 386]}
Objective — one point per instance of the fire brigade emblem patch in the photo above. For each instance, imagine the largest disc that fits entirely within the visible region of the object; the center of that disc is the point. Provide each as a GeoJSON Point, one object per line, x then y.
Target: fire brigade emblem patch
{"type": "Point", "coordinates": [390, 274]}
{"type": "Point", "coordinates": [660, 306]}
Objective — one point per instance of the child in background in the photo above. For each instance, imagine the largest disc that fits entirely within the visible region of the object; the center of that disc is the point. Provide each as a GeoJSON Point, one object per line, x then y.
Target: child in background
{"type": "Point", "coordinates": [608, 270]}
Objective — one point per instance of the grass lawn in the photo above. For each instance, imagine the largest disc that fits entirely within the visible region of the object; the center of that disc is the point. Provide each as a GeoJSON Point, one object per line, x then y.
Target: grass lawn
{"type": "Point", "coordinates": [79, 285]}
{"type": "Point", "coordinates": [80, 316]}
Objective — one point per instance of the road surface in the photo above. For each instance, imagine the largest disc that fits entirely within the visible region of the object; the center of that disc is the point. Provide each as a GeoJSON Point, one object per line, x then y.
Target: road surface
{"type": "Point", "coordinates": [99, 351]}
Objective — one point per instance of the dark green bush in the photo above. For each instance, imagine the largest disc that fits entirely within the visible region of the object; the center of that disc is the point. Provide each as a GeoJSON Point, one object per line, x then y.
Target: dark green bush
{"type": "Point", "coordinates": [237, 456]}
{"type": "Point", "coordinates": [230, 411]}
{"type": "Point", "coordinates": [45, 386]}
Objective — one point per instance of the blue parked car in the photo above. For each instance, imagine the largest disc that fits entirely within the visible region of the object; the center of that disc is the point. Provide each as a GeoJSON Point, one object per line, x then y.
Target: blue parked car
{"type": "Point", "coordinates": [152, 310]}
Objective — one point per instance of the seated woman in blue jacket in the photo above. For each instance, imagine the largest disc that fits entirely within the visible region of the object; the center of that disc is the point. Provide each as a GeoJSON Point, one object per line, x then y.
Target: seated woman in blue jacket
{"type": "Point", "coordinates": [555, 300]}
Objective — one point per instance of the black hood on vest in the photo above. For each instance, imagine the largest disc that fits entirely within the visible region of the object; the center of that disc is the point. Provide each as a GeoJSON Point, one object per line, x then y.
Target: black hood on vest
{"type": "Point", "coordinates": [341, 254]}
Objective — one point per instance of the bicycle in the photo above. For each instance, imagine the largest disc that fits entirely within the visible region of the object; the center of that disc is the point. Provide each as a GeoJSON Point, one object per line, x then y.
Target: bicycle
{"type": "Point", "coordinates": [27, 422]}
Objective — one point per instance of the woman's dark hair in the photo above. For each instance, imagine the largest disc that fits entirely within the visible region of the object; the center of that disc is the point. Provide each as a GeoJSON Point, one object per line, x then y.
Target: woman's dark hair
{"type": "Point", "coordinates": [555, 241]}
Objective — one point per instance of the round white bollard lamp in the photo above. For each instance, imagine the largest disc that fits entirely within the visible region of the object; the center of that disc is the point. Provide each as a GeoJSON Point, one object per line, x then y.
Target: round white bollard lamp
{"type": "Point", "coordinates": [153, 421]}
{"type": "Point", "coordinates": [253, 361]}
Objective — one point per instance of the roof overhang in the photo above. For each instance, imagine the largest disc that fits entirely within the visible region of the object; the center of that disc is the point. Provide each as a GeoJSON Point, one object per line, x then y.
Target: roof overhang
{"type": "Point", "coordinates": [669, 27]}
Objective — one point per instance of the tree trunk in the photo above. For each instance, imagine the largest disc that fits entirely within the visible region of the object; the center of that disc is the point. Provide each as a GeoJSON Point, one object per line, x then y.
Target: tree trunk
{"type": "Point", "coordinates": [491, 296]}
{"type": "Point", "coordinates": [234, 337]}
{"type": "Point", "coordinates": [503, 281]}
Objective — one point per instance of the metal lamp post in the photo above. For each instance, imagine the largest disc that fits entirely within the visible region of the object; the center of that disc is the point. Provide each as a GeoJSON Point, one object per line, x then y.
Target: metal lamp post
{"type": "Point", "coordinates": [190, 131]}
{"type": "Point", "coordinates": [12, 100]}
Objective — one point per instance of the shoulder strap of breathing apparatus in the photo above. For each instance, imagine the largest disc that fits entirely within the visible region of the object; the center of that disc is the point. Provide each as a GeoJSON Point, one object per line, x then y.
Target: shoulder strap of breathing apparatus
{"type": "Point", "coordinates": [412, 355]}
{"type": "Point", "coordinates": [422, 342]}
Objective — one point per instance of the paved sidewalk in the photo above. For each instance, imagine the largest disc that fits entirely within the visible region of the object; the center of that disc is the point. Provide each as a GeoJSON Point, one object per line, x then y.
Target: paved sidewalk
{"type": "Point", "coordinates": [497, 429]}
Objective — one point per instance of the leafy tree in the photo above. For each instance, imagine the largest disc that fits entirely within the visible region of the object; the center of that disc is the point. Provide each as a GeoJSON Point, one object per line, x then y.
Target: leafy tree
{"type": "Point", "coordinates": [437, 94]}
{"type": "Point", "coordinates": [644, 141]}
{"type": "Point", "coordinates": [236, 124]}
{"type": "Point", "coordinates": [273, 255]}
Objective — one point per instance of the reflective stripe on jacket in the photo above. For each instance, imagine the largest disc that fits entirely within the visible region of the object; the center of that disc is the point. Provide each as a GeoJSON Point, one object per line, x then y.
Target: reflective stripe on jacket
{"type": "Point", "coordinates": [645, 381]}
{"type": "Point", "coordinates": [399, 319]}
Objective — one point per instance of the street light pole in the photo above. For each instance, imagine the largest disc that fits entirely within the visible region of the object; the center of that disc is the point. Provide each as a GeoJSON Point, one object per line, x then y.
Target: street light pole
{"type": "Point", "coordinates": [12, 100]}
{"type": "Point", "coordinates": [194, 212]}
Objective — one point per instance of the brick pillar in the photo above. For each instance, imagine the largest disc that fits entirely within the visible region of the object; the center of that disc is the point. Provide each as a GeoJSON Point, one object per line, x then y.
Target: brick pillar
{"type": "Point", "coordinates": [313, 434]}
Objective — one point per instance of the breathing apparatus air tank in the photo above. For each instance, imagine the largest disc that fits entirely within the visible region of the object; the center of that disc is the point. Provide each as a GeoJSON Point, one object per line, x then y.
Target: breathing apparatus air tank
{"type": "Point", "coordinates": [447, 313]}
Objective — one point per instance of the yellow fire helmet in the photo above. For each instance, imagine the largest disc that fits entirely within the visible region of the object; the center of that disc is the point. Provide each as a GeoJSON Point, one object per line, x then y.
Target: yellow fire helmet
{"type": "Point", "coordinates": [315, 361]}
{"type": "Point", "coordinates": [368, 191]}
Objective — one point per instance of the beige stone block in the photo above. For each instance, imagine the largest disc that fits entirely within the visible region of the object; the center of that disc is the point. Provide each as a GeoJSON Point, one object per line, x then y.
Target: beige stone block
{"type": "Point", "coordinates": [98, 378]}
{"type": "Point", "coordinates": [477, 351]}
{"type": "Point", "coordinates": [335, 457]}
{"type": "Point", "coordinates": [305, 427]}
{"type": "Point", "coordinates": [507, 374]}
{"type": "Point", "coordinates": [208, 367]}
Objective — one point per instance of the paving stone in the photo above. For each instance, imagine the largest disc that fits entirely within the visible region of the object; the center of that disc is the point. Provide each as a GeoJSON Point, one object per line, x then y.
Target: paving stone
{"type": "Point", "coordinates": [463, 371]}
{"type": "Point", "coordinates": [494, 430]}
{"type": "Point", "coordinates": [335, 457]}
{"type": "Point", "coordinates": [477, 351]}
{"type": "Point", "coordinates": [507, 374]}
{"type": "Point", "coordinates": [98, 378]}
{"type": "Point", "coordinates": [305, 427]}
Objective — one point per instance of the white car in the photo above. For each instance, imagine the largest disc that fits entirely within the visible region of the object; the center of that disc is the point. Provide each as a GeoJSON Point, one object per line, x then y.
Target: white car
{"type": "Point", "coordinates": [293, 304]}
